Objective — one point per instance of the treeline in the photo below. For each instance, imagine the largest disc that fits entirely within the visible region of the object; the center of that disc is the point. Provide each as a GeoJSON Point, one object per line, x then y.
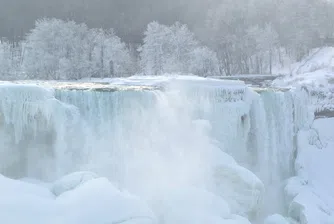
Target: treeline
{"type": "Point", "coordinates": [249, 35]}
{"type": "Point", "coordinates": [224, 37]}
{"type": "Point", "coordinates": [129, 18]}
{"type": "Point", "coordinates": [57, 49]}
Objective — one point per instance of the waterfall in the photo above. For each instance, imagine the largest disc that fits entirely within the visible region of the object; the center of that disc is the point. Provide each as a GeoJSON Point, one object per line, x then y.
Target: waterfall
{"type": "Point", "coordinates": [153, 141]}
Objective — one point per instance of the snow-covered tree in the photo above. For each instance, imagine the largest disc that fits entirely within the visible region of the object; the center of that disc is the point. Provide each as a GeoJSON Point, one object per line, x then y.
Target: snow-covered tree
{"type": "Point", "coordinates": [10, 60]}
{"type": "Point", "coordinates": [265, 43]}
{"type": "Point", "coordinates": [156, 48]}
{"type": "Point", "coordinates": [111, 57]}
{"type": "Point", "coordinates": [5, 59]}
{"type": "Point", "coordinates": [57, 49]}
{"type": "Point", "coordinates": [204, 62]}
{"type": "Point", "coordinates": [174, 49]}
{"type": "Point", "coordinates": [182, 43]}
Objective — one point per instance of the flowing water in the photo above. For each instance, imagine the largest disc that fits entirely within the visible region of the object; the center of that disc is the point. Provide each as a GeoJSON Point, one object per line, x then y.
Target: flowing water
{"type": "Point", "coordinates": [150, 141]}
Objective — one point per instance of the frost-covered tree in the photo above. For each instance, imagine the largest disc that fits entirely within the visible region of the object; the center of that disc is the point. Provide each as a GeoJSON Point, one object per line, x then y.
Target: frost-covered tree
{"type": "Point", "coordinates": [156, 48]}
{"type": "Point", "coordinates": [265, 43]}
{"type": "Point", "coordinates": [173, 49]}
{"type": "Point", "coordinates": [110, 55]}
{"type": "Point", "coordinates": [204, 62]}
{"type": "Point", "coordinates": [10, 60]}
{"type": "Point", "coordinates": [182, 45]}
{"type": "Point", "coordinates": [5, 59]}
{"type": "Point", "coordinates": [57, 49]}
{"type": "Point", "coordinates": [249, 34]}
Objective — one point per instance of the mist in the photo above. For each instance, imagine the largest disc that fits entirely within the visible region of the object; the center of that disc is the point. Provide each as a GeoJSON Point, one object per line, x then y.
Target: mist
{"type": "Point", "coordinates": [247, 36]}
{"type": "Point", "coordinates": [128, 17]}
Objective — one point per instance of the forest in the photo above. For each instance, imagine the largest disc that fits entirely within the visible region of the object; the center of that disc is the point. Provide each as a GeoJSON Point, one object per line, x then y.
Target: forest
{"type": "Point", "coordinates": [80, 38]}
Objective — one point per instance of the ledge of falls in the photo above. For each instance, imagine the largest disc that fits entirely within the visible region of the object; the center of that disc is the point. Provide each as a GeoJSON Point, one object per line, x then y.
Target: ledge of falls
{"type": "Point", "coordinates": [166, 149]}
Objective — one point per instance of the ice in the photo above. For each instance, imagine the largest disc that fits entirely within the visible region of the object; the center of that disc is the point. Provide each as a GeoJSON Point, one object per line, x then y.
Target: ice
{"type": "Point", "coordinates": [315, 69]}
{"type": "Point", "coordinates": [71, 181]}
{"type": "Point", "coordinates": [311, 192]}
{"type": "Point", "coordinates": [98, 201]}
{"type": "Point", "coordinates": [33, 125]}
{"type": "Point", "coordinates": [95, 201]}
{"type": "Point", "coordinates": [186, 149]}
{"type": "Point", "coordinates": [309, 195]}
{"type": "Point", "coordinates": [193, 205]}
{"type": "Point", "coordinates": [25, 203]}
{"type": "Point", "coordinates": [316, 73]}
{"type": "Point", "coordinates": [276, 219]}
{"type": "Point", "coordinates": [240, 188]}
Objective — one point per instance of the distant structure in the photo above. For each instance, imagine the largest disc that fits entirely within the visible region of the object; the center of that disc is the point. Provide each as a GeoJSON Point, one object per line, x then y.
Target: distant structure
{"type": "Point", "coordinates": [328, 41]}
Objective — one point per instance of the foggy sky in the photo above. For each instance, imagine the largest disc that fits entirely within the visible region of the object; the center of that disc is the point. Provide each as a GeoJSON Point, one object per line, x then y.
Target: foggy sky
{"type": "Point", "coordinates": [128, 17]}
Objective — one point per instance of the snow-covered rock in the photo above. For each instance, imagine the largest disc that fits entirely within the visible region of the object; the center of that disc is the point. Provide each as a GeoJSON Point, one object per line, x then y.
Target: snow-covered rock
{"type": "Point", "coordinates": [276, 219]}
{"type": "Point", "coordinates": [94, 201]}
{"type": "Point", "coordinates": [23, 202]}
{"type": "Point", "coordinates": [71, 181]}
{"type": "Point", "coordinates": [98, 201]}
{"type": "Point", "coordinates": [242, 189]}
{"type": "Point", "coordinates": [192, 205]}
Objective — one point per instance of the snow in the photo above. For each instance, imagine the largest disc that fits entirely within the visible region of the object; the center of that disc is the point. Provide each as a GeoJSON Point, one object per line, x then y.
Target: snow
{"type": "Point", "coordinates": [30, 113]}
{"type": "Point", "coordinates": [95, 201]}
{"type": "Point", "coordinates": [192, 205]}
{"type": "Point", "coordinates": [98, 201]}
{"type": "Point", "coordinates": [316, 73]}
{"type": "Point", "coordinates": [276, 219]}
{"type": "Point", "coordinates": [315, 70]}
{"type": "Point", "coordinates": [310, 194]}
{"type": "Point", "coordinates": [107, 138]}
{"type": "Point", "coordinates": [71, 181]}
{"type": "Point", "coordinates": [131, 83]}
{"type": "Point", "coordinates": [194, 151]}
{"type": "Point", "coordinates": [241, 189]}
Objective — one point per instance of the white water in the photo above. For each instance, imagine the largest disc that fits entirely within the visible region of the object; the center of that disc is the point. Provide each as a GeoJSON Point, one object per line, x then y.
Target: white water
{"type": "Point", "coordinates": [156, 143]}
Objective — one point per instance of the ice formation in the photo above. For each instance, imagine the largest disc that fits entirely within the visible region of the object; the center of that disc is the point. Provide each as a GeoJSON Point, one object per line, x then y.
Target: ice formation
{"type": "Point", "coordinates": [192, 150]}
{"type": "Point", "coordinates": [310, 192]}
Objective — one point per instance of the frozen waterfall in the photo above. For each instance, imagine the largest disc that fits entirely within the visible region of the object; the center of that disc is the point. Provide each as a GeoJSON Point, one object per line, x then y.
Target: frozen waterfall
{"type": "Point", "coordinates": [163, 141]}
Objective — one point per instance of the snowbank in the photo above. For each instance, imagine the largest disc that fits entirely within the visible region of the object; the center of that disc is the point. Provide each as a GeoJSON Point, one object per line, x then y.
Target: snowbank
{"type": "Point", "coordinates": [98, 201]}
{"type": "Point", "coordinates": [276, 219]}
{"type": "Point", "coordinates": [84, 198]}
{"type": "Point", "coordinates": [71, 181]}
{"type": "Point", "coordinates": [95, 201]}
